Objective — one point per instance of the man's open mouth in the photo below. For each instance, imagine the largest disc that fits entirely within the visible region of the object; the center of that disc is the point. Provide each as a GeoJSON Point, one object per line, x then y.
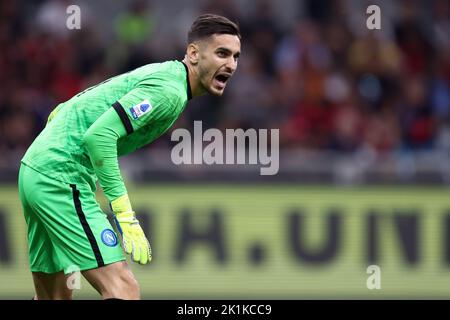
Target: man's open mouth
{"type": "Point", "coordinates": [222, 78]}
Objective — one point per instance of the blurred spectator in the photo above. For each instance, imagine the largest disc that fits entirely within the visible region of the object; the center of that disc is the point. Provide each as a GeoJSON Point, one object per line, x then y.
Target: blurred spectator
{"type": "Point", "coordinates": [51, 18]}
{"type": "Point", "coordinates": [135, 25]}
{"type": "Point", "coordinates": [133, 30]}
{"type": "Point", "coordinates": [416, 117]}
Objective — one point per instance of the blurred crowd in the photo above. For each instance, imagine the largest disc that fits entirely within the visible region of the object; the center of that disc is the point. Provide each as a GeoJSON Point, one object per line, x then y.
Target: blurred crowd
{"type": "Point", "coordinates": [325, 80]}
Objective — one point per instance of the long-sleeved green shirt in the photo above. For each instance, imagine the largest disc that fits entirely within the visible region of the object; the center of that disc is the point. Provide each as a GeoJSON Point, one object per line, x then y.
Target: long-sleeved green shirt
{"type": "Point", "coordinates": [86, 134]}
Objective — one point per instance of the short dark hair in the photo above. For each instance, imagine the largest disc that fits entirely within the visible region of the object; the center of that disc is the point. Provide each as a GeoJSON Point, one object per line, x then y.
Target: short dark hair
{"type": "Point", "coordinates": [209, 24]}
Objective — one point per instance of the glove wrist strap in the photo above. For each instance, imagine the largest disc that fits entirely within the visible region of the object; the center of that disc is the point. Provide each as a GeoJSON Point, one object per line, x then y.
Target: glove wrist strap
{"type": "Point", "coordinates": [121, 205]}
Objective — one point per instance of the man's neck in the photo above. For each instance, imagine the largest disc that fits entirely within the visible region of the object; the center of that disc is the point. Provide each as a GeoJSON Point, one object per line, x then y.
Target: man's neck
{"type": "Point", "coordinates": [194, 80]}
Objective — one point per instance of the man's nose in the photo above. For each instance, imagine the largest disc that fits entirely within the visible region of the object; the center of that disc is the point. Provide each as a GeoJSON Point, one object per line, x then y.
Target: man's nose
{"type": "Point", "coordinates": [231, 65]}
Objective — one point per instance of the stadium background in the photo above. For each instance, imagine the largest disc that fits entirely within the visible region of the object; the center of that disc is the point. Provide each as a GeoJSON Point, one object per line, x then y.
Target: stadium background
{"type": "Point", "coordinates": [364, 145]}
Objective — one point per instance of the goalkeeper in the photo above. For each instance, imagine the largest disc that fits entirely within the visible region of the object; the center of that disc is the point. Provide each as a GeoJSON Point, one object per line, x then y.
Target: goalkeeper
{"type": "Point", "coordinates": [81, 143]}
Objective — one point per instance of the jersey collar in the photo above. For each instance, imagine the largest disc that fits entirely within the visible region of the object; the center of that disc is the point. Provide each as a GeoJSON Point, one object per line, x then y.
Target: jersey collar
{"type": "Point", "coordinates": [189, 92]}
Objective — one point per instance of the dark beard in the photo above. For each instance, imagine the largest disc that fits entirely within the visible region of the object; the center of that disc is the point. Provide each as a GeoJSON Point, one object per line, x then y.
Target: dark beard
{"type": "Point", "coordinates": [203, 74]}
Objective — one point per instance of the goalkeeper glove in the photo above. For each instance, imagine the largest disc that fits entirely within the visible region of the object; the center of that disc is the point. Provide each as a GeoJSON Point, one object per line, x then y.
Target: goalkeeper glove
{"type": "Point", "coordinates": [133, 238]}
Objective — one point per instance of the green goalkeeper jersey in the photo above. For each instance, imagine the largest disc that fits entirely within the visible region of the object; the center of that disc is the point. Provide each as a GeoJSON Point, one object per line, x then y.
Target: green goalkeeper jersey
{"type": "Point", "coordinates": [86, 134]}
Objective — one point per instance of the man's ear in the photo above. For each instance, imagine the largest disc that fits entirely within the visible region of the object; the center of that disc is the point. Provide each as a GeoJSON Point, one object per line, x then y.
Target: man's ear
{"type": "Point", "coordinates": [193, 53]}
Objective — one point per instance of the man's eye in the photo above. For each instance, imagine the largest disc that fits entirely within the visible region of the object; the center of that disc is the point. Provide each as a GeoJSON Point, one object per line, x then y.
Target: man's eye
{"type": "Point", "coordinates": [221, 54]}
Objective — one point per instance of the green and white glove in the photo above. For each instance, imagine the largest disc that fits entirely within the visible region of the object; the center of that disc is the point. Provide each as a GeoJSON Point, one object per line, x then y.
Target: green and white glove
{"type": "Point", "coordinates": [134, 241]}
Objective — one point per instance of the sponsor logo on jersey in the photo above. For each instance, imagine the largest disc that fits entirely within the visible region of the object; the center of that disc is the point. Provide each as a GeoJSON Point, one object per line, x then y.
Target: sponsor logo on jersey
{"type": "Point", "coordinates": [109, 238]}
{"type": "Point", "coordinates": [140, 109]}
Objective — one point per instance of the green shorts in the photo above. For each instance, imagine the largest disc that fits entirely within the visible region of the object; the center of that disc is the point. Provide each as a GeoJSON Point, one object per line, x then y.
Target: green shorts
{"type": "Point", "coordinates": [67, 230]}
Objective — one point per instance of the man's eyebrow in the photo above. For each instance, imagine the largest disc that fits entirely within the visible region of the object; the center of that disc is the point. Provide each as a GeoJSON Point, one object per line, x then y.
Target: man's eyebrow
{"type": "Point", "coordinates": [223, 49]}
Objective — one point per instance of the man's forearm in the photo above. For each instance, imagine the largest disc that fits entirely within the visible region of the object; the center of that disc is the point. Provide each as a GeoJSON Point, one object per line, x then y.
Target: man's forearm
{"type": "Point", "coordinates": [101, 143]}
